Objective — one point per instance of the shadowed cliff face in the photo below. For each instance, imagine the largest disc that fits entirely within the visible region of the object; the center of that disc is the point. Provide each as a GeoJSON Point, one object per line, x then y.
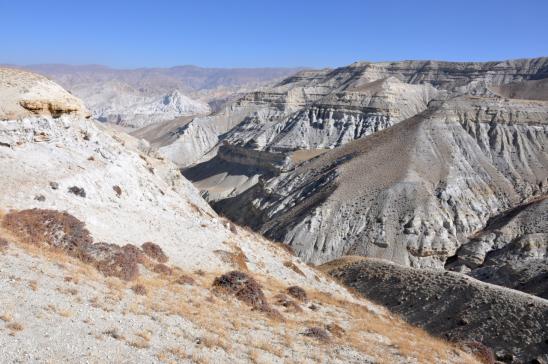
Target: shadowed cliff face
{"type": "Point", "coordinates": [453, 306]}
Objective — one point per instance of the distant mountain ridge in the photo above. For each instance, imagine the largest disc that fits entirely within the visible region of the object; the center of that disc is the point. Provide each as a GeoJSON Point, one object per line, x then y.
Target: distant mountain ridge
{"type": "Point", "coordinates": [139, 97]}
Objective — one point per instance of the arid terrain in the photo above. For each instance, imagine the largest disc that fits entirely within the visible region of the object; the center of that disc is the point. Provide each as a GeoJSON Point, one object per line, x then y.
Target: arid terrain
{"type": "Point", "coordinates": [109, 254]}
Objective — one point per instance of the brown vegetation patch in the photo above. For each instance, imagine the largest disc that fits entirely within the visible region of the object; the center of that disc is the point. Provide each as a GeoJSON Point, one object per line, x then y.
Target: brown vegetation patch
{"type": "Point", "coordinates": [297, 293]}
{"type": "Point", "coordinates": [243, 287]}
{"type": "Point", "coordinates": [185, 279]}
{"type": "Point", "coordinates": [139, 289]}
{"type": "Point", "coordinates": [56, 229]}
{"type": "Point", "coordinates": [237, 260]}
{"type": "Point", "coordinates": [162, 269]}
{"type": "Point", "coordinates": [317, 333]}
{"type": "Point", "coordinates": [14, 327]}
{"type": "Point", "coordinates": [60, 230]}
{"type": "Point", "coordinates": [291, 306]}
{"type": "Point", "coordinates": [154, 251]}
{"type": "Point", "coordinates": [335, 330]}
{"type": "Point", "coordinates": [114, 261]}
{"type": "Point", "coordinates": [246, 289]}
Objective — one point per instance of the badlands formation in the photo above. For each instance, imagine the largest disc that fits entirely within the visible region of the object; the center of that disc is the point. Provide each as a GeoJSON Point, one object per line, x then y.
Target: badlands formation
{"type": "Point", "coordinates": [433, 166]}
{"type": "Point", "coordinates": [412, 160]}
{"type": "Point", "coordinates": [108, 254]}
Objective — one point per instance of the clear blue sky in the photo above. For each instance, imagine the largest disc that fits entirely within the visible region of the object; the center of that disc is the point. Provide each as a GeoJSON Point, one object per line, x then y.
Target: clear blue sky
{"type": "Point", "coordinates": [251, 33]}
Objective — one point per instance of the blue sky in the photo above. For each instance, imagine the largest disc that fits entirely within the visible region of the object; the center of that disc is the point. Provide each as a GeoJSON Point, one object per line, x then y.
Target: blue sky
{"type": "Point", "coordinates": [245, 33]}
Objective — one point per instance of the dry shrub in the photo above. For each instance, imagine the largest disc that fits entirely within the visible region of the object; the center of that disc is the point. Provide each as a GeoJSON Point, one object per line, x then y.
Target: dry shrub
{"type": "Point", "coordinates": [14, 326]}
{"type": "Point", "coordinates": [335, 330]}
{"type": "Point", "coordinates": [114, 261]}
{"type": "Point", "coordinates": [243, 287]}
{"type": "Point", "coordinates": [238, 260]}
{"type": "Point", "coordinates": [185, 279]}
{"type": "Point", "coordinates": [56, 229]}
{"type": "Point", "coordinates": [293, 267]}
{"type": "Point", "coordinates": [246, 289]}
{"type": "Point", "coordinates": [154, 251]}
{"type": "Point", "coordinates": [162, 269]}
{"type": "Point", "coordinates": [297, 293]}
{"type": "Point", "coordinates": [282, 300]}
{"type": "Point", "coordinates": [317, 333]}
{"type": "Point", "coordinates": [63, 231]}
{"type": "Point", "coordinates": [139, 289]}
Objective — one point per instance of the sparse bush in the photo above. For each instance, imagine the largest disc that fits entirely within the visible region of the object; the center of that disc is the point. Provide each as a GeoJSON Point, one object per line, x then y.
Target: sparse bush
{"type": "Point", "coordinates": [161, 268]}
{"type": "Point", "coordinates": [297, 293]}
{"type": "Point", "coordinates": [56, 229]}
{"type": "Point", "coordinates": [139, 289]}
{"type": "Point", "coordinates": [54, 185]}
{"type": "Point", "coordinates": [335, 329]}
{"type": "Point", "coordinates": [238, 260]}
{"type": "Point", "coordinates": [154, 251]}
{"type": "Point", "coordinates": [282, 300]}
{"type": "Point", "coordinates": [78, 191]}
{"type": "Point", "coordinates": [63, 231]}
{"type": "Point", "coordinates": [317, 333]}
{"type": "Point", "coordinates": [15, 326]}
{"type": "Point", "coordinates": [243, 286]}
{"type": "Point", "coordinates": [115, 261]}
{"type": "Point", "coordinates": [185, 279]}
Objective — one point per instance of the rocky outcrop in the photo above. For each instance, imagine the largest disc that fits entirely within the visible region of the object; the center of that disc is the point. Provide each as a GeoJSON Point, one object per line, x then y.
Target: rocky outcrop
{"type": "Point", "coordinates": [412, 193]}
{"type": "Point", "coordinates": [453, 306]}
{"type": "Point", "coordinates": [26, 94]}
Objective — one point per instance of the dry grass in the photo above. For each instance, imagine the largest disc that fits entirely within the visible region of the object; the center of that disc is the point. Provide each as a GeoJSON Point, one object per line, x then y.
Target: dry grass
{"type": "Point", "coordinates": [14, 327]}
{"type": "Point", "coordinates": [142, 340]}
{"type": "Point", "coordinates": [33, 285]}
{"type": "Point", "coordinates": [6, 317]}
{"type": "Point", "coordinates": [59, 311]}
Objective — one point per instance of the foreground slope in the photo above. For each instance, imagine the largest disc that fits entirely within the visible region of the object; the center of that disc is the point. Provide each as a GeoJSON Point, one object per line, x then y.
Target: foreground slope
{"type": "Point", "coordinates": [111, 242]}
